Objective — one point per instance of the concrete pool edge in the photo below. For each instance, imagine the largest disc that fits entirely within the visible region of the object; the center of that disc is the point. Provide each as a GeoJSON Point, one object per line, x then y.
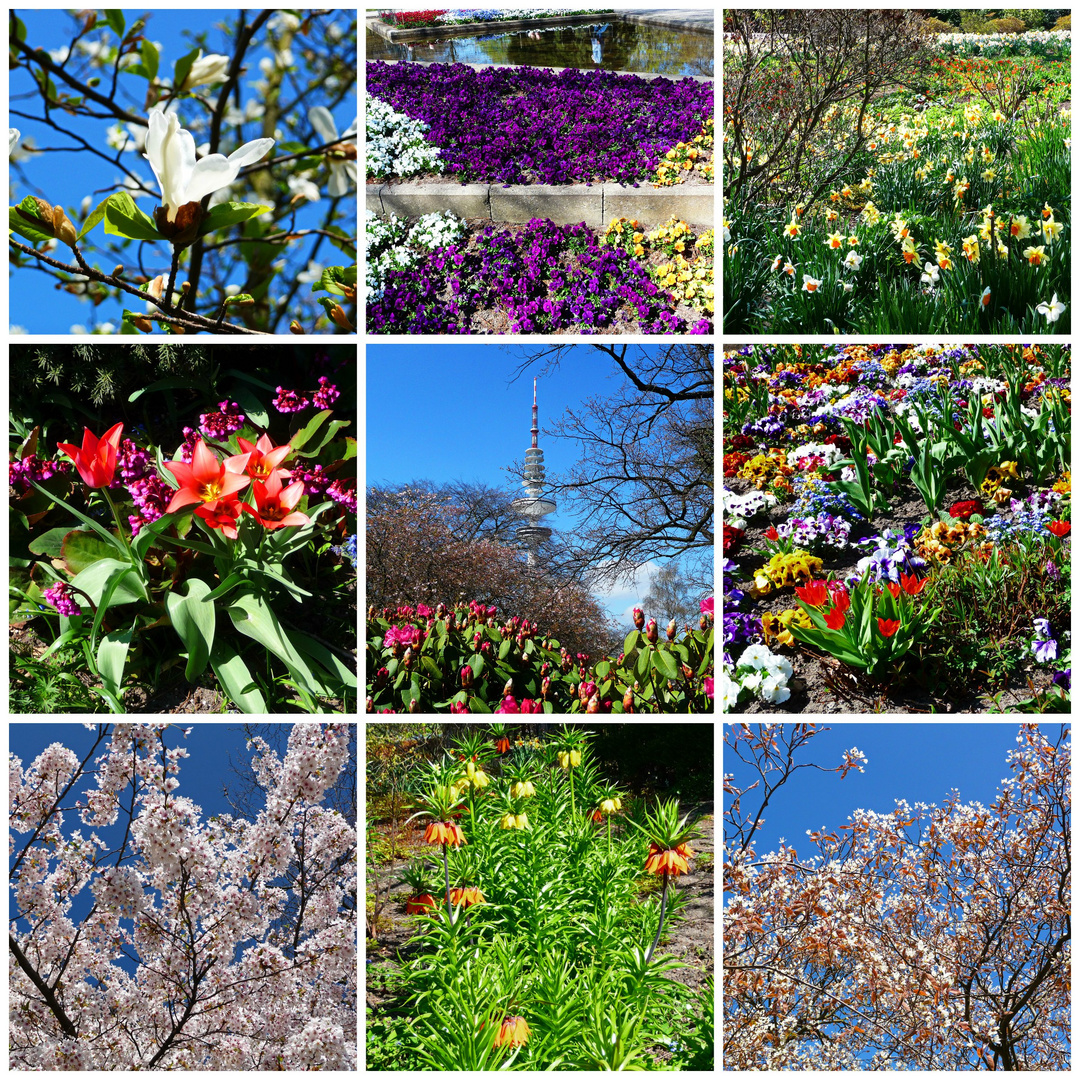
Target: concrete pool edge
{"type": "Point", "coordinates": [567, 204]}
{"type": "Point", "coordinates": [544, 67]}
{"type": "Point", "coordinates": [693, 20]}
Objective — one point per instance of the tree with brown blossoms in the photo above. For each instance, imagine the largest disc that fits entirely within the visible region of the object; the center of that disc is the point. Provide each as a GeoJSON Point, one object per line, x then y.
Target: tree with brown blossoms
{"type": "Point", "coordinates": [932, 937]}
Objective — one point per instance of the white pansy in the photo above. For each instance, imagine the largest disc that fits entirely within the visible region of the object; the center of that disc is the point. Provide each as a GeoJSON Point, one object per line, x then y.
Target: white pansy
{"type": "Point", "coordinates": [181, 178]}
{"type": "Point", "coordinates": [342, 168]}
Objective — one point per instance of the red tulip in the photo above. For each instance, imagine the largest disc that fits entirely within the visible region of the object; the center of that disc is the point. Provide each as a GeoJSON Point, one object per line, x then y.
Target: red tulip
{"type": "Point", "coordinates": [1059, 528]}
{"type": "Point", "coordinates": [888, 627]}
{"type": "Point", "coordinates": [913, 585]}
{"type": "Point", "coordinates": [275, 508]}
{"type": "Point", "coordinates": [96, 458]}
{"type": "Point", "coordinates": [815, 594]}
{"type": "Point", "coordinates": [207, 480]}
{"type": "Point", "coordinates": [834, 618]}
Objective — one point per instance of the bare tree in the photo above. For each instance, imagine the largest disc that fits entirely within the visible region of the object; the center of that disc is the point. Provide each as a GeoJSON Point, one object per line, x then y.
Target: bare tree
{"type": "Point", "coordinates": [785, 72]}
{"type": "Point", "coordinates": [672, 596]}
{"type": "Point", "coordinates": [643, 489]}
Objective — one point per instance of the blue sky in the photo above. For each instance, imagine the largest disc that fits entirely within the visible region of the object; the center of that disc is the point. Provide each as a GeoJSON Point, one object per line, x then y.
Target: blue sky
{"type": "Point", "coordinates": [450, 412]}
{"type": "Point", "coordinates": [919, 762]}
{"type": "Point", "coordinates": [67, 178]}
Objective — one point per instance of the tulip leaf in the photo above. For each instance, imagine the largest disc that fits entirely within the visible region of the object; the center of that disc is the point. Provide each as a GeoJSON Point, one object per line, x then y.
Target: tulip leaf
{"type": "Point", "coordinates": [97, 578]}
{"type": "Point", "coordinates": [124, 218]}
{"type": "Point", "coordinates": [252, 616]}
{"type": "Point", "coordinates": [183, 66]}
{"type": "Point", "coordinates": [194, 619]}
{"type": "Point", "coordinates": [230, 213]}
{"type": "Point", "coordinates": [111, 657]}
{"type": "Point", "coordinates": [235, 679]}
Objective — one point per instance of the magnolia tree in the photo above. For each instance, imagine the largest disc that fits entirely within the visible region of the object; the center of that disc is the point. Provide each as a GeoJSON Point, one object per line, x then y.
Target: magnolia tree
{"type": "Point", "coordinates": [249, 153]}
{"type": "Point", "coordinates": [160, 951]}
{"type": "Point", "coordinates": [932, 937]}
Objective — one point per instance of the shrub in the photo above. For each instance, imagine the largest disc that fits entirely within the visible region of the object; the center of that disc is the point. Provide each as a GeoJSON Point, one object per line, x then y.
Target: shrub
{"type": "Point", "coordinates": [1008, 26]}
{"type": "Point", "coordinates": [936, 26]}
{"type": "Point", "coordinates": [1064, 23]}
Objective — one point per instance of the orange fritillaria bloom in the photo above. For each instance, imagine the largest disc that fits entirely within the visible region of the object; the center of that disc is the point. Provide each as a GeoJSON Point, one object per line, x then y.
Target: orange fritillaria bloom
{"type": "Point", "coordinates": [207, 480]}
{"type": "Point", "coordinates": [466, 896]}
{"type": "Point", "coordinates": [96, 458]}
{"type": "Point", "coordinates": [671, 861]}
{"type": "Point", "coordinates": [513, 1032]}
{"type": "Point", "coordinates": [444, 832]}
{"type": "Point", "coordinates": [417, 905]}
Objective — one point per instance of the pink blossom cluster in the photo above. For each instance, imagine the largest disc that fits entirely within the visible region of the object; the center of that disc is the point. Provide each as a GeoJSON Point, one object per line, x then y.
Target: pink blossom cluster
{"type": "Point", "coordinates": [62, 598]}
{"type": "Point", "coordinates": [238, 966]}
{"type": "Point", "coordinates": [326, 395]}
{"type": "Point", "coordinates": [22, 471]}
{"type": "Point", "coordinates": [288, 401]}
{"type": "Point", "coordinates": [221, 424]}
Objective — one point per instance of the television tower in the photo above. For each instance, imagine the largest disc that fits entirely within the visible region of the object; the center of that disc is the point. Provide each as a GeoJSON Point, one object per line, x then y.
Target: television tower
{"type": "Point", "coordinates": [534, 506]}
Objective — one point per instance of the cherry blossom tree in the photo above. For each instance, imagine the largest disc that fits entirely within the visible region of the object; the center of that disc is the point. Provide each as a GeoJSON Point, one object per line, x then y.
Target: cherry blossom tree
{"type": "Point", "coordinates": [932, 937]}
{"type": "Point", "coordinates": [152, 951]}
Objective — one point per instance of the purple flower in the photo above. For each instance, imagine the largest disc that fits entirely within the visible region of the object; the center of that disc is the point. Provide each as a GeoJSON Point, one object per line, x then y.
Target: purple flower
{"type": "Point", "coordinates": [288, 401]}
{"type": "Point", "coordinates": [62, 598]}
{"type": "Point", "coordinates": [1044, 646]}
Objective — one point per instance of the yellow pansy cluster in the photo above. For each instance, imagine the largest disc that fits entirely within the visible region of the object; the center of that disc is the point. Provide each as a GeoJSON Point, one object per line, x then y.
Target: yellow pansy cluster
{"type": "Point", "coordinates": [761, 468]}
{"type": "Point", "coordinates": [775, 628]}
{"type": "Point", "coordinates": [686, 159]}
{"type": "Point", "coordinates": [1064, 485]}
{"type": "Point", "coordinates": [795, 568]}
{"type": "Point", "coordinates": [690, 282]}
{"type": "Point", "coordinates": [942, 541]}
{"type": "Point", "coordinates": [996, 476]}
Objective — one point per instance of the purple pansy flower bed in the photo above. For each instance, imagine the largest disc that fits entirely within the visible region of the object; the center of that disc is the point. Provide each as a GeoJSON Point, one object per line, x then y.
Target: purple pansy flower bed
{"type": "Point", "coordinates": [530, 125]}
{"type": "Point", "coordinates": [540, 279]}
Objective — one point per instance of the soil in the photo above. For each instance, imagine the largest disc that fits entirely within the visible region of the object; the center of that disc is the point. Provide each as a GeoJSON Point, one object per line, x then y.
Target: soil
{"type": "Point", "coordinates": [821, 684]}
{"type": "Point", "coordinates": [690, 939]}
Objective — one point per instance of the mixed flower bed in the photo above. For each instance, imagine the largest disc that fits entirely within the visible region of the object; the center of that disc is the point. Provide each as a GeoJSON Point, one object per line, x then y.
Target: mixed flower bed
{"type": "Point", "coordinates": [897, 527]}
{"type": "Point", "coordinates": [539, 904]}
{"type": "Point", "coordinates": [437, 276]}
{"type": "Point", "coordinates": [130, 553]}
{"type": "Point", "coordinates": [954, 213]}
{"type": "Point", "coordinates": [531, 125]}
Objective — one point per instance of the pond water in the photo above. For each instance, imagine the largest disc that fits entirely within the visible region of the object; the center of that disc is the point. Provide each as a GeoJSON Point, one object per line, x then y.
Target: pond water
{"type": "Point", "coordinates": [615, 46]}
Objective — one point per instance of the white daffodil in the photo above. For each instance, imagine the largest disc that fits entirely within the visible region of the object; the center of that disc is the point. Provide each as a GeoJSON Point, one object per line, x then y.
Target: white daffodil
{"type": "Point", "coordinates": [206, 70]}
{"type": "Point", "coordinates": [182, 180]}
{"type": "Point", "coordinates": [1051, 310]}
{"type": "Point", "coordinates": [341, 159]}
{"type": "Point", "coordinates": [13, 138]}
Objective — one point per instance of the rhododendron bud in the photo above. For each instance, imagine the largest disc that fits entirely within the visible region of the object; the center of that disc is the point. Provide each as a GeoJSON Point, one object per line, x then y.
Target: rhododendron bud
{"type": "Point", "coordinates": [414, 705]}
{"type": "Point", "coordinates": [594, 704]}
{"type": "Point", "coordinates": [650, 631]}
{"type": "Point", "coordinates": [508, 688]}
{"type": "Point", "coordinates": [370, 705]}
{"type": "Point", "coordinates": [545, 687]}
{"type": "Point", "coordinates": [639, 618]}
{"type": "Point", "coordinates": [671, 630]}
{"type": "Point", "coordinates": [586, 691]}
{"type": "Point", "coordinates": [466, 677]}
{"type": "Point", "coordinates": [628, 701]}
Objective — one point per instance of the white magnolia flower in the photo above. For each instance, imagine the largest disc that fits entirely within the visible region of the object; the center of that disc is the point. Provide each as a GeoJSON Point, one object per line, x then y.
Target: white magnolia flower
{"type": "Point", "coordinates": [342, 168]}
{"type": "Point", "coordinates": [13, 138]}
{"type": "Point", "coordinates": [206, 70]}
{"type": "Point", "coordinates": [182, 180]}
{"type": "Point", "coordinates": [300, 185]}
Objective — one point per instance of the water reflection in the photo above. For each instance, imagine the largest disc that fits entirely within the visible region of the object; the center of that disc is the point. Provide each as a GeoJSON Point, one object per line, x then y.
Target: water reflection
{"type": "Point", "coordinates": [604, 46]}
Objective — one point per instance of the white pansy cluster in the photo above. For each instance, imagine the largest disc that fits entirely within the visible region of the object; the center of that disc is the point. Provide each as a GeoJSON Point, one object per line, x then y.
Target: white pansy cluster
{"type": "Point", "coordinates": [761, 672]}
{"type": "Point", "coordinates": [398, 245]}
{"type": "Point", "coordinates": [119, 889]}
{"type": "Point", "coordinates": [738, 508]}
{"type": "Point", "coordinates": [395, 143]}
{"type": "Point", "coordinates": [827, 451]}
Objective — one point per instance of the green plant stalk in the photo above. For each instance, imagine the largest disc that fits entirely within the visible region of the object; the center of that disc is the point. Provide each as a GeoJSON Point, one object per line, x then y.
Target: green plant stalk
{"type": "Point", "coordinates": [119, 524]}
{"type": "Point", "coordinates": [660, 926]}
{"type": "Point", "coordinates": [446, 872]}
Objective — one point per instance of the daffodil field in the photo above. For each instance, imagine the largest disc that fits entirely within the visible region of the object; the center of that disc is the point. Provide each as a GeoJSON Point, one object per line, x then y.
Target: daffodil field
{"type": "Point", "coordinates": [539, 898]}
{"type": "Point", "coordinates": [934, 200]}
{"type": "Point", "coordinates": [897, 528]}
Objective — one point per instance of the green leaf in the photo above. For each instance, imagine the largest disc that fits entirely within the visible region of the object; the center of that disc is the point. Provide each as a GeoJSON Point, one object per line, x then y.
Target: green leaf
{"type": "Point", "coordinates": [230, 213]}
{"type": "Point", "coordinates": [124, 218]}
{"type": "Point", "coordinates": [49, 543]}
{"type": "Point", "coordinates": [334, 279]}
{"type": "Point", "coordinates": [150, 58]}
{"type": "Point", "coordinates": [115, 19]}
{"type": "Point", "coordinates": [111, 657]}
{"type": "Point", "coordinates": [664, 663]}
{"type": "Point", "coordinates": [172, 382]}
{"type": "Point", "coordinates": [26, 226]}
{"type": "Point", "coordinates": [97, 577]}
{"type": "Point", "coordinates": [82, 549]}
{"type": "Point", "coordinates": [194, 618]}
{"type": "Point", "coordinates": [97, 215]}
{"type": "Point", "coordinates": [235, 679]}
{"type": "Point", "coordinates": [103, 533]}
{"type": "Point", "coordinates": [630, 645]}
{"type": "Point", "coordinates": [240, 298]}
{"type": "Point", "coordinates": [183, 66]}
{"type": "Point", "coordinates": [504, 649]}
{"type": "Point", "coordinates": [252, 616]}
{"type": "Point", "coordinates": [602, 669]}
{"type": "Point", "coordinates": [341, 240]}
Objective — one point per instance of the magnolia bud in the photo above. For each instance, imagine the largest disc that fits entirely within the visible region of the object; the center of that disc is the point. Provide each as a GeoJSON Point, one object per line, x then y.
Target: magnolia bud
{"type": "Point", "coordinates": [143, 324]}
{"type": "Point", "coordinates": [339, 318]}
{"type": "Point", "coordinates": [650, 631]}
{"type": "Point", "coordinates": [295, 327]}
{"type": "Point", "coordinates": [671, 630]}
